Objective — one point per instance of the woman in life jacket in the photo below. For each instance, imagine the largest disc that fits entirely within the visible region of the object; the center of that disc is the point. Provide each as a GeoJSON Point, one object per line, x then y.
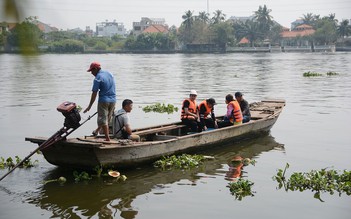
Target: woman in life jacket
{"type": "Point", "coordinates": [234, 115]}
{"type": "Point", "coordinates": [190, 113]}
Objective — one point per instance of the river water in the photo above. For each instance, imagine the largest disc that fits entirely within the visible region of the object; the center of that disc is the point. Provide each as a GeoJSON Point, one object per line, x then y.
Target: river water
{"type": "Point", "coordinates": [312, 133]}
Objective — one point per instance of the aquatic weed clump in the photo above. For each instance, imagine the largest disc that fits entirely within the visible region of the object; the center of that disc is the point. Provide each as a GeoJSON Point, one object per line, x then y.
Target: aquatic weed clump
{"type": "Point", "coordinates": [184, 161]}
{"type": "Point", "coordinates": [9, 162]}
{"type": "Point", "coordinates": [160, 108]}
{"type": "Point", "coordinates": [241, 188]}
{"type": "Point", "coordinates": [312, 74]}
{"type": "Point", "coordinates": [318, 181]}
{"type": "Point", "coordinates": [331, 73]}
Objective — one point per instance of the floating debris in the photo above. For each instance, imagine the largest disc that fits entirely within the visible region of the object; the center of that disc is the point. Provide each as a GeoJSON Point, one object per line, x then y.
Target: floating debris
{"type": "Point", "coordinates": [113, 173]}
{"type": "Point", "coordinates": [331, 73]}
{"type": "Point", "coordinates": [312, 74]}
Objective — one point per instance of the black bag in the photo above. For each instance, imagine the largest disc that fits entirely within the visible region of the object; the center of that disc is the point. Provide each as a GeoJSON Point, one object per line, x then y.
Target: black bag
{"type": "Point", "coordinates": [71, 114]}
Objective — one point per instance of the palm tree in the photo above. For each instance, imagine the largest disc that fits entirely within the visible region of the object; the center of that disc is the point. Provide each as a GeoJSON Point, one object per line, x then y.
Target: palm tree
{"type": "Point", "coordinates": [251, 30]}
{"type": "Point", "coordinates": [203, 17]}
{"type": "Point", "coordinates": [188, 26]}
{"type": "Point", "coordinates": [264, 19]}
{"type": "Point", "coordinates": [218, 17]}
{"type": "Point", "coordinates": [188, 19]}
{"type": "Point", "coordinates": [308, 19]}
{"type": "Point", "coordinates": [344, 29]}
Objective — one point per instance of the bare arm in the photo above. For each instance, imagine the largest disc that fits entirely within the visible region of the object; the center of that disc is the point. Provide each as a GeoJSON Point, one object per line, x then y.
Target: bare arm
{"type": "Point", "coordinates": [92, 100]}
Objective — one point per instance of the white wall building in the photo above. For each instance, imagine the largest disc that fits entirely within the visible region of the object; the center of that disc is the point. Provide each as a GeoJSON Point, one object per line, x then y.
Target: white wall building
{"type": "Point", "coordinates": [109, 29]}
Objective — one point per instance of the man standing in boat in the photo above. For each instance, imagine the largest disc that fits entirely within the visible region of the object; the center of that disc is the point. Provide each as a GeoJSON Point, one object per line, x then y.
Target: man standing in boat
{"type": "Point", "coordinates": [207, 116]}
{"type": "Point", "coordinates": [121, 124]}
{"type": "Point", "coordinates": [190, 113]}
{"type": "Point", "coordinates": [244, 106]}
{"type": "Point", "coordinates": [104, 84]}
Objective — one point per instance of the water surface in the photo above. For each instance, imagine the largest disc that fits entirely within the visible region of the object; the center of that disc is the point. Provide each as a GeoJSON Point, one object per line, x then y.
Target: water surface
{"type": "Point", "coordinates": [311, 133]}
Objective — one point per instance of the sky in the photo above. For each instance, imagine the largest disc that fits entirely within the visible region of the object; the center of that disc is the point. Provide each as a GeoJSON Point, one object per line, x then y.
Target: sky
{"type": "Point", "coordinates": [69, 14]}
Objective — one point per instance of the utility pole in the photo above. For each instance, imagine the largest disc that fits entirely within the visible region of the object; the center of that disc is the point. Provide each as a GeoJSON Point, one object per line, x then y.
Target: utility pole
{"type": "Point", "coordinates": [208, 11]}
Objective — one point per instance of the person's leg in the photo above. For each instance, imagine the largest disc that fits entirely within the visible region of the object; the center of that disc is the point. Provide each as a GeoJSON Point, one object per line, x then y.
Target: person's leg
{"type": "Point", "coordinates": [209, 123]}
{"type": "Point", "coordinates": [225, 123]}
{"type": "Point", "coordinates": [103, 119]}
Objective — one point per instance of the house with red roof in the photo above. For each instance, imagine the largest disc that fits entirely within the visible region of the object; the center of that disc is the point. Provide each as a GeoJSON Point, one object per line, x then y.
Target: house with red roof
{"type": "Point", "coordinates": [156, 28]}
{"type": "Point", "coordinates": [298, 36]}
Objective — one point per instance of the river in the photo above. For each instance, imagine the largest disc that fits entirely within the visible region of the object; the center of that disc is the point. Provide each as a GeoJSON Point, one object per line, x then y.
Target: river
{"type": "Point", "coordinates": [311, 133]}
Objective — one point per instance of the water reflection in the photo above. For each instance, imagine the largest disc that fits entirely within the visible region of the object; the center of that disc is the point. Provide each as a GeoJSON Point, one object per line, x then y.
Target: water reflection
{"type": "Point", "coordinates": [106, 198]}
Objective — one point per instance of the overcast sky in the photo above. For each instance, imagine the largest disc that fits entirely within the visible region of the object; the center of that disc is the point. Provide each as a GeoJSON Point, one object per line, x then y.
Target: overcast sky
{"type": "Point", "coordinates": [68, 14]}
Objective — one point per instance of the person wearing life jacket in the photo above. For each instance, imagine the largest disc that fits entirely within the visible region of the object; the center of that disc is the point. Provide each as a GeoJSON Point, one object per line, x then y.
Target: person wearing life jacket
{"type": "Point", "coordinates": [244, 106]}
{"type": "Point", "coordinates": [190, 113]}
{"type": "Point", "coordinates": [207, 116]}
{"type": "Point", "coordinates": [234, 115]}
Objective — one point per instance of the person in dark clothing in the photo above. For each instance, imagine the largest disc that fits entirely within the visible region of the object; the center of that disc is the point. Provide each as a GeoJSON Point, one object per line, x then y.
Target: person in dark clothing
{"type": "Point", "coordinates": [244, 105]}
{"type": "Point", "coordinates": [206, 108]}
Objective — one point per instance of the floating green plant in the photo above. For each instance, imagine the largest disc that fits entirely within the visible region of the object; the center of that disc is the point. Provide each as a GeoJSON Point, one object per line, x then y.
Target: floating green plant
{"type": "Point", "coordinates": [316, 180]}
{"type": "Point", "coordinates": [160, 108]}
{"type": "Point", "coordinates": [81, 176]}
{"type": "Point", "coordinates": [184, 161]}
{"type": "Point", "coordinates": [9, 162]}
{"type": "Point", "coordinates": [312, 74]}
{"type": "Point", "coordinates": [241, 188]}
{"type": "Point", "coordinates": [331, 73]}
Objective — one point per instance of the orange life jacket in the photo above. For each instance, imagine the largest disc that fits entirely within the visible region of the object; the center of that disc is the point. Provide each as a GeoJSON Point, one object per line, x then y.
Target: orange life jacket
{"type": "Point", "coordinates": [208, 109]}
{"type": "Point", "coordinates": [237, 115]}
{"type": "Point", "coordinates": [192, 109]}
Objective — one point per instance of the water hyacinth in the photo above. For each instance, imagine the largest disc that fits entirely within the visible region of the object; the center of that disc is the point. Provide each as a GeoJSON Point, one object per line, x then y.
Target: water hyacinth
{"type": "Point", "coordinates": [9, 162]}
{"type": "Point", "coordinates": [318, 181]}
{"type": "Point", "coordinates": [241, 188]}
{"type": "Point", "coordinates": [160, 108]}
{"type": "Point", "coordinates": [184, 161]}
{"type": "Point", "coordinates": [312, 74]}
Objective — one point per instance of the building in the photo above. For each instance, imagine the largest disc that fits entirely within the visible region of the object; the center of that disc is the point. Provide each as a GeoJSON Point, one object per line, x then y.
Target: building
{"type": "Point", "coordinates": [296, 23]}
{"type": "Point", "coordinates": [235, 19]}
{"type": "Point", "coordinates": [297, 36]}
{"type": "Point", "coordinates": [139, 27]}
{"type": "Point", "coordinates": [109, 29]}
{"type": "Point", "coordinates": [156, 28]}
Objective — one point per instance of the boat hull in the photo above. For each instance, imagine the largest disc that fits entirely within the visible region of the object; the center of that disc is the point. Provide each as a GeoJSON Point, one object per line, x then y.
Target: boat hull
{"type": "Point", "coordinates": [85, 153]}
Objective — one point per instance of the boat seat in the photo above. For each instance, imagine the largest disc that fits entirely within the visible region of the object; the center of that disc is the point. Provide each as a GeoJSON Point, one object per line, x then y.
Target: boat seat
{"type": "Point", "coordinates": [157, 130]}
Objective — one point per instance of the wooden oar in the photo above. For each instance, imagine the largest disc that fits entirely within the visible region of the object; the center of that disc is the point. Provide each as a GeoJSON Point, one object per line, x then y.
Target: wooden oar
{"type": "Point", "coordinates": [59, 135]}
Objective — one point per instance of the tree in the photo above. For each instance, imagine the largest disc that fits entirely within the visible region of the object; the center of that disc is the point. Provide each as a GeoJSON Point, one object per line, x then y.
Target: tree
{"type": "Point", "coordinates": [203, 17]}
{"type": "Point", "coordinates": [344, 29]}
{"type": "Point", "coordinates": [325, 32]}
{"type": "Point", "coordinates": [308, 19]}
{"type": "Point", "coordinates": [218, 17]}
{"type": "Point", "coordinates": [26, 36]}
{"type": "Point", "coordinates": [264, 20]}
{"type": "Point", "coordinates": [251, 30]}
{"type": "Point", "coordinates": [223, 34]}
{"type": "Point", "coordinates": [187, 24]}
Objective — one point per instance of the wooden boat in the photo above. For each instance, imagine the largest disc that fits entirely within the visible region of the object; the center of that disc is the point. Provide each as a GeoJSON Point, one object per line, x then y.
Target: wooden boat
{"type": "Point", "coordinates": [156, 141]}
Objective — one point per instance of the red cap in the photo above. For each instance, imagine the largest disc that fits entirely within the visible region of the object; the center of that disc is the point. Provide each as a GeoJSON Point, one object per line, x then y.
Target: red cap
{"type": "Point", "coordinates": [94, 65]}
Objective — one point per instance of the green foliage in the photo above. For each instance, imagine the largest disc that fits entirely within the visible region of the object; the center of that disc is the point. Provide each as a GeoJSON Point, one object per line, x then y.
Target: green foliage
{"type": "Point", "coordinates": [318, 181]}
{"type": "Point", "coordinates": [312, 74]}
{"type": "Point", "coordinates": [241, 188]}
{"type": "Point", "coordinates": [61, 180]}
{"type": "Point", "coordinates": [316, 74]}
{"type": "Point", "coordinates": [160, 108]}
{"type": "Point", "coordinates": [184, 161]}
{"type": "Point", "coordinates": [67, 46]}
{"type": "Point", "coordinates": [9, 163]}
{"type": "Point", "coordinates": [81, 176]}
{"type": "Point", "coordinates": [331, 73]}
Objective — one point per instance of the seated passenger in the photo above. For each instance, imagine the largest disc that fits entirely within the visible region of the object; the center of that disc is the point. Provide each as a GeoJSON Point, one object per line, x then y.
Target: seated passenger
{"type": "Point", "coordinates": [244, 106]}
{"type": "Point", "coordinates": [206, 109]}
{"type": "Point", "coordinates": [190, 113]}
{"type": "Point", "coordinates": [121, 123]}
{"type": "Point", "coordinates": [233, 116]}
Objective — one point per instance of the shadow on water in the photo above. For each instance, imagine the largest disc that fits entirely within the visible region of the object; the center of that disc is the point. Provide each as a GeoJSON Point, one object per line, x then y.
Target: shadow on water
{"type": "Point", "coordinates": [107, 198]}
